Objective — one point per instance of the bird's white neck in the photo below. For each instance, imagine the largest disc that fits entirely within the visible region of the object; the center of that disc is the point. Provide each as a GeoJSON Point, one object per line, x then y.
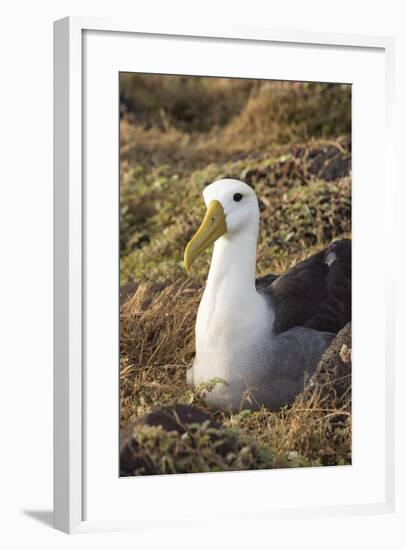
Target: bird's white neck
{"type": "Point", "coordinates": [233, 266]}
{"type": "Point", "coordinates": [230, 302]}
{"type": "Point", "coordinates": [233, 318]}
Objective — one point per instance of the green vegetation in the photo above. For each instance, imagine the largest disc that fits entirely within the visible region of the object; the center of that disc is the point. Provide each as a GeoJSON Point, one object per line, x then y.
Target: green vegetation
{"type": "Point", "coordinates": [291, 142]}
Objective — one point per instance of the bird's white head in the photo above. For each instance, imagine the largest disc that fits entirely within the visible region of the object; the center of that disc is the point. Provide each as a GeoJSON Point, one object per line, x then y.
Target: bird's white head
{"type": "Point", "coordinates": [232, 208]}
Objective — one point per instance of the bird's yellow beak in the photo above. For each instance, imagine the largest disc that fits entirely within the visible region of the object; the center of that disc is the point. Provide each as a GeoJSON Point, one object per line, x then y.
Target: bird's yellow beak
{"type": "Point", "coordinates": [212, 227]}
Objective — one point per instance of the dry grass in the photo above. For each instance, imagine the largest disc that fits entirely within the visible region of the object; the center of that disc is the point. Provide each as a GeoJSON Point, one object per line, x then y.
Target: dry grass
{"type": "Point", "coordinates": [157, 346]}
{"type": "Point", "coordinates": [292, 143]}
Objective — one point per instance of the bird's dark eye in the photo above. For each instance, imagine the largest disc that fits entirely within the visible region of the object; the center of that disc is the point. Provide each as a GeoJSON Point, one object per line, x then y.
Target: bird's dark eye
{"type": "Point", "coordinates": [237, 197]}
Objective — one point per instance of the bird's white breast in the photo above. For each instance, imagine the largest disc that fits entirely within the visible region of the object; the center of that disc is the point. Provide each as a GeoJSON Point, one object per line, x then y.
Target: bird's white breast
{"type": "Point", "coordinates": [231, 332]}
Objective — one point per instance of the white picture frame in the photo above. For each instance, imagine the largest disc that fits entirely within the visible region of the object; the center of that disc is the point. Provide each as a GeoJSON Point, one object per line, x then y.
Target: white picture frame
{"type": "Point", "coordinates": [72, 309]}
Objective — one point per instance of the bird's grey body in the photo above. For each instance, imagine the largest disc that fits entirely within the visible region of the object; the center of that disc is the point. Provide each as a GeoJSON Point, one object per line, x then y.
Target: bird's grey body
{"type": "Point", "coordinates": [258, 341]}
{"type": "Point", "coordinates": [268, 370]}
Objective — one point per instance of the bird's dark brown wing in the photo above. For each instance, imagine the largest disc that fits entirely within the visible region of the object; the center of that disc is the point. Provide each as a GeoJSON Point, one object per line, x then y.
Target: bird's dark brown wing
{"type": "Point", "coordinates": [315, 293]}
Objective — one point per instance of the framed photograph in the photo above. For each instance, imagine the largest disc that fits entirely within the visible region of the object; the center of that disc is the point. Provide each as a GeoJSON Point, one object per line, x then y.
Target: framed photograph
{"type": "Point", "coordinates": [220, 338]}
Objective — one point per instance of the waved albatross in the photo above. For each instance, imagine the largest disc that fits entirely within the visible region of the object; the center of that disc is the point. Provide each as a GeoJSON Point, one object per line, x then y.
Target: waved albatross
{"type": "Point", "coordinates": [258, 340]}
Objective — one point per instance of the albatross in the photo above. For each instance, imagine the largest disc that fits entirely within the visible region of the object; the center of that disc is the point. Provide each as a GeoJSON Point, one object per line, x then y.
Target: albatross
{"type": "Point", "coordinates": [259, 340]}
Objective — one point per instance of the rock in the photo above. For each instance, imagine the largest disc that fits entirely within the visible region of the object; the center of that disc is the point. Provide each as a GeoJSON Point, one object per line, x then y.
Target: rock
{"type": "Point", "coordinates": [334, 372]}
{"type": "Point", "coordinates": [329, 163]}
{"type": "Point", "coordinates": [177, 418]}
{"type": "Point", "coordinates": [128, 290]}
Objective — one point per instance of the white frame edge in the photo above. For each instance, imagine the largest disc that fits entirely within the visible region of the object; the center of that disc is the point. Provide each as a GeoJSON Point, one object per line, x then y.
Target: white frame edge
{"type": "Point", "coordinates": [67, 276]}
{"type": "Point", "coordinates": [68, 391]}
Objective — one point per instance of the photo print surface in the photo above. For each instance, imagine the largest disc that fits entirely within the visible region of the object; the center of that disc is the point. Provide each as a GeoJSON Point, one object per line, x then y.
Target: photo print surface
{"type": "Point", "coordinates": [235, 274]}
